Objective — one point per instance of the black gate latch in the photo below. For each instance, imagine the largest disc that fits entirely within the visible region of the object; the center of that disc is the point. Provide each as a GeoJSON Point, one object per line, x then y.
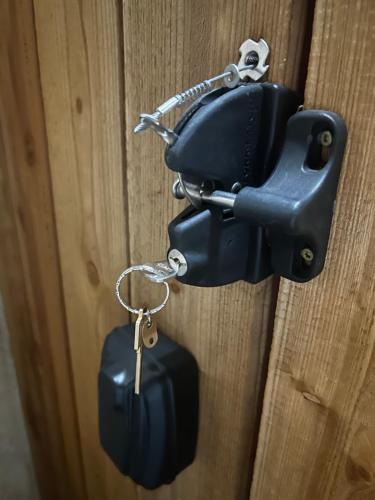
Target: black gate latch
{"type": "Point", "coordinates": [261, 176]}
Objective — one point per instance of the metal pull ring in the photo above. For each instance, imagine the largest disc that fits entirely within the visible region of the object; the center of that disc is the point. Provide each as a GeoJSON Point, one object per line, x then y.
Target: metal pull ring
{"type": "Point", "coordinates": [143, 268]}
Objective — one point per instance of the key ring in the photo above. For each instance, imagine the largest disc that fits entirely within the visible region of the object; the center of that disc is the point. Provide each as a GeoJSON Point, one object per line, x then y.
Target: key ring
{"type": "Point", "coordinates": [143, 268]}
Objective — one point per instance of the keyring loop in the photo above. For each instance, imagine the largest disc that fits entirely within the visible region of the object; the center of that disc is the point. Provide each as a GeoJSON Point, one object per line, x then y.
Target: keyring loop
{"type": "Point", "coordinates": [140, 267]}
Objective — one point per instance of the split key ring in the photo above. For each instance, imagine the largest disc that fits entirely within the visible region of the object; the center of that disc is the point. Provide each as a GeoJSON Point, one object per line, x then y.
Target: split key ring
{"type": "Point", "coordinates": [148, 270]}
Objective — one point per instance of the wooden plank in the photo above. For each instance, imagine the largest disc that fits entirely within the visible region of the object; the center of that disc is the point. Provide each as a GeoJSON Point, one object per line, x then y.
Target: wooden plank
{"type": "Point", "coordinates": [317, 437]}
{"type": "Point", "coordinates": [17, 478]}
{"type": "Point", "coordinates": [30, 273]}
{"type": "Point", "coordinates": [168, 47]}
{"type": "Point", "coordinates": [80, 60]}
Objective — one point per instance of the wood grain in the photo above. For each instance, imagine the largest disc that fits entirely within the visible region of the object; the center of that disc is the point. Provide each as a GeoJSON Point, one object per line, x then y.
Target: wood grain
{"type": "Point", "coordinates": [317, 436]}
{"type": "Point", "coordinates": [170, 45]}
{"type": "Point", "coordinates": [30, 273]}
{"type": "Point", "coordinates": [79, 48]}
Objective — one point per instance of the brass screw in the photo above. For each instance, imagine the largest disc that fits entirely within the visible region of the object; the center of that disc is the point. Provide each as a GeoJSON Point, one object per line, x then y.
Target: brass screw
{"type": "Point", "coordinates": [326, 138]}
{"type": "Point", "coordinates": [307, 255]}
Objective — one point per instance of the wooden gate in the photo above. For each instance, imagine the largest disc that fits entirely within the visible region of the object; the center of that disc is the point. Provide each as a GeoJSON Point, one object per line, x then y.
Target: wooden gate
{"type": "Point", "coordinates": [82, 197]}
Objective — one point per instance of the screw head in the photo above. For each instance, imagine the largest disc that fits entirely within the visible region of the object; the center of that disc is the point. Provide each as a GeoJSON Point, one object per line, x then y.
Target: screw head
{"type": "Point", "coordinates": [326, 138]}
{"type": "Point", "coordinates": [307, 255]}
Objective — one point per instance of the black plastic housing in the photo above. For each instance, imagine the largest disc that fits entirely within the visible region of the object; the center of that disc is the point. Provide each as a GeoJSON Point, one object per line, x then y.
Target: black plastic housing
{"type": "Point", "coordinates": [295, 205]}
{"type": "Point", "coordinates": [286, 178]}
{"type": "Point", "coordinates": [231, 136]}
{"type": "Point", "coordinates": [219, 248]}
{"type": "Point", "coordinates": [228, 137]}
{"type": "Point", "coordinates": [151, 437]}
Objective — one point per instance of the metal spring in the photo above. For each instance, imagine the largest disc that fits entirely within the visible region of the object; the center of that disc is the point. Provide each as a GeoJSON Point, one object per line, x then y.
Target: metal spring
{"type": "Point", "coordinates": [194, 92]}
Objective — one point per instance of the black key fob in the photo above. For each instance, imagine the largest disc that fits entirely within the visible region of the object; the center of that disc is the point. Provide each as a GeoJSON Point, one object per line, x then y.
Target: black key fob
{"type": "Point", "coordinates": [150, 437]}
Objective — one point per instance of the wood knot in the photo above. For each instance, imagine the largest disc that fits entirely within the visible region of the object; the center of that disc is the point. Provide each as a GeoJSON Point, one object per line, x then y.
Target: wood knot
{"type": "Point", "coordinates": [30, 149]}
{"type": "Point", "coordinates": [356, 472]}
{"type": "Point", "coordinates": [79, 105]}
{"type": "Point", "coordinates": [360, 463]}
{"type": "Point", "coordinates": [92, 273]}
{"type": "Point", "coordinates": [175, 287]}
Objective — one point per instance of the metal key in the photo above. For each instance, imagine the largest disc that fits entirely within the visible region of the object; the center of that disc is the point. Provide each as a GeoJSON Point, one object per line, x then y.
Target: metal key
{"type": "Point", "coordinates": [138, 347]}
{"type": "Point", "coordinates": [150, 334]}
{"type": "Point", "coordinates": [145, 335]}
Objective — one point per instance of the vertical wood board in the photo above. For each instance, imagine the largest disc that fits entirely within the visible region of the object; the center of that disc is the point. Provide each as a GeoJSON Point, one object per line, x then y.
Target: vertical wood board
{"type": "Point", "coordinates": [79, 47]}
{"type": "Point", "coordinates": [29, 259]}
{"type": "Point", "coordinates": [317, 436]}
{"type": "Point", "coordinates": [168, 47]}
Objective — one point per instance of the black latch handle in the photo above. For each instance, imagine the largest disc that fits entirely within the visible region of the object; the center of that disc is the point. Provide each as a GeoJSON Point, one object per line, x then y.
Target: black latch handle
{"type": "Point", "coordinates": [295, 205]}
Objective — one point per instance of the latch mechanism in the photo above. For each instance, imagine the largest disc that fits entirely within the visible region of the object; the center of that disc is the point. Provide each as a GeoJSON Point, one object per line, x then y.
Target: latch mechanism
{"type": "Point", "coordinates": [261, 177]}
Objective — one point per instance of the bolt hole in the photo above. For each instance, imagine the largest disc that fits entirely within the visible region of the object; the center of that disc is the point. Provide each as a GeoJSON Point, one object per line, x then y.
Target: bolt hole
{"type": "Point", "coordinates": [252, 59]}
{"type": "Point", "coordinates": [319, 147]}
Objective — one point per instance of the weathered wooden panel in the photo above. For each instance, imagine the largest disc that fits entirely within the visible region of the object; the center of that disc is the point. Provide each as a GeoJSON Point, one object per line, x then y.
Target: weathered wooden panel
{"type": "Point", "coordinates": [170, 45]}
{"type": "Point", "coordinates": [79, 47]}
{"type": "Point", "coordinates": [30, 272]}
{"type": "Point", "coordinates": [317, 437]}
